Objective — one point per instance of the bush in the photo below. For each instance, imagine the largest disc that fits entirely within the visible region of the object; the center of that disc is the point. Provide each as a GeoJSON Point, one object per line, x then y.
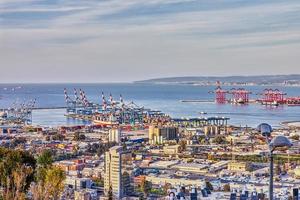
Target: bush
{"type": "Point", "coordinates": [227, 188]}
{"type": "Point", "coordinates": [79, 137]}
{"type": "Point", "coordinates": [295, 137]}
{"type": "Point", "coordinates": [220, 139]}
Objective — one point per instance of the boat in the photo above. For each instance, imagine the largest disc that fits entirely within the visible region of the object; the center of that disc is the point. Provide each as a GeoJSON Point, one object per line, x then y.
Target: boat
{"type": "Point", "coordinates": [102, 120]}
{"type": "Point", "coordinates": [273, 103]}
{"type": "Point", "coordinates": [240, 101]}
{"type": "Point", "coordinates": [203, 113]}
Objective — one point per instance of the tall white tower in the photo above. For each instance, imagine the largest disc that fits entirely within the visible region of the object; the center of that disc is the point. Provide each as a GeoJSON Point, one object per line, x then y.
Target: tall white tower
{"type": "Point", "coordinates": [113, 171]}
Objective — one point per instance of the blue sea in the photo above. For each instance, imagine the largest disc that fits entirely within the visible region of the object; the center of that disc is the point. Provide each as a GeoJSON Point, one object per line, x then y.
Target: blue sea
{"type": "Point", "coordinates": [165, 98]}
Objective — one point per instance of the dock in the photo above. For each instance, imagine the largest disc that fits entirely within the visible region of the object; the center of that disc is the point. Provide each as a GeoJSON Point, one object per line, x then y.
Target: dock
{"type": "Point", "coordinates": [196, 101]}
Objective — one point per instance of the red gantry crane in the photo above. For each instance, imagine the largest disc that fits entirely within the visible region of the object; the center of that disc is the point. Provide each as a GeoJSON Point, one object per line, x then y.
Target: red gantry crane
{"type": "Point", "coordinates": [272, 97]}
{"type": "Point", "coordinates": [239, 95]}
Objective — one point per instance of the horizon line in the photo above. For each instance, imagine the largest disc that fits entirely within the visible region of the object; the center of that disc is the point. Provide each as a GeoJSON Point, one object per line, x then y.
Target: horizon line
{"type": "Point", "coordinates": [135, 81]}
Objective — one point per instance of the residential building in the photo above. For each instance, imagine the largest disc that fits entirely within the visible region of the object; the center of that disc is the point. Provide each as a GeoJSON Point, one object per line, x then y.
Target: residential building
{"type": "Point", "coordinates": [117, 172]}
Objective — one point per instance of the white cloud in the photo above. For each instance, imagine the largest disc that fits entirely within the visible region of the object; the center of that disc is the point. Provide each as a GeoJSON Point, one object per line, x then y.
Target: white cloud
{"type": "Point", "coordinates": [43, 9]}
{"type": "Point", "coordinates": [237, 40]}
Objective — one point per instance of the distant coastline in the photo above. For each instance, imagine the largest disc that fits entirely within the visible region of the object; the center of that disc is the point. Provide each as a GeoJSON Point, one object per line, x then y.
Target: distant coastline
{"type": "Point", "coordinates": [291, 123]}
{"type": "Point", "coordinates": [264, 80]}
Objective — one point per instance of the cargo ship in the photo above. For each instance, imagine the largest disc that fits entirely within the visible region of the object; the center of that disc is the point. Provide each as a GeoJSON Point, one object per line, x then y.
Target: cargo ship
{"type": "Point", "coordinates": [105, 120]}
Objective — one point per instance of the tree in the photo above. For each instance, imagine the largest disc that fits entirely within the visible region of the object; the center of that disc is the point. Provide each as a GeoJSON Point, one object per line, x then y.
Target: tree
{"type": "Point", "coordinates": [182, 144]}
{"type": "Point", "coordinates": [295, 137]}
{"type": "Point", "coordinates": [49, 183]}
{"type": "Point", "coordinates": [209, 185]}
{"type": "Point", "coordinates": [15, 188]}
{"type": "Point", "coordinates": [202, 140]}
{"type": "Point", "coordinates": [100, 148]}
{"type": "Point", "coordinates": [78, 136]}
{"type": "Point", "coordinates": [110, 193]}
{"type": "Point", "coordinates": [17, 173]}
{"type": "Point", "coordinates": [145, 187]}
{"type": "Point", "coordinates": [220, 139]}
{"type": "Point", "coordinates": [277, 169]}
{"type": "Point", "coordinates": [210, 157]}
{"type": "Point", "coordinates": [58, 136]}
{"type": "Point", "coordinates": [38, 191]}
{"type": "Point", "coordinates": [17, 141]}
{"type": "Point", "coordinates": [166, 187]}
{"type": "Point", "coordinates": [45, 159]}
{"type": "Point", "coordinates": [11, 161]}
{"type": "Point", "coordinates": [51, 187]}
{"type": "Point", "coordinates": [227, 188]}
{"type": "Point", "coordinates": [54, 182]}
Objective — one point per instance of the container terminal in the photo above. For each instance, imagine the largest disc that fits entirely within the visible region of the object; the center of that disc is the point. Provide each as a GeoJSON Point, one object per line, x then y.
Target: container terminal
{"type": "Point", "coordinates": [127, 116]}
{"type": "Point", "coordinates": [269, 97]}
{"type": "Point", "coordinates": [18, 113]}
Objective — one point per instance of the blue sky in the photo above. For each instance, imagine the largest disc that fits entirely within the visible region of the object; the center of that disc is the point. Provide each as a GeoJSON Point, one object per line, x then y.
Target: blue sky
{"type": "Point", "coordinates": [127, 40]}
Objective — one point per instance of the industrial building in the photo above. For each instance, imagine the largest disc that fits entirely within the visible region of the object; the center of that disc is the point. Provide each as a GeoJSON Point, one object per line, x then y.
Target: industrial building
{"type": "Point", "coordinates": [157, 135]}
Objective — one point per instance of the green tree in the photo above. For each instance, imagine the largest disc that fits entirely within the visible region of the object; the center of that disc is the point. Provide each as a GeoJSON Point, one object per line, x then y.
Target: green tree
{"type": "Point", "coordinates": [17, 141]}
{"type": "Point", "coordinates": [78, 137]}
{"type": "Point", "coordinates": [145, 187]}
{"type": "Point", "coordinates": [110, 193]}
{"type": "Point", "coordinates": [202, 140]}
{"type": "Point", "coordinates": [210, 157]}
{"type": "Point", "coordinates": [10, 161]}
{"type": "Point", "coordinates": [182, 144]}
{"type": "Point", "coordinates": [209, 185]}
{"type": "Point", "coordinates": [295, 137]}
{"type": "Point", "coordinates": [45, 159]}
{"type": "Point", "coordinates": [51, 187]}
{"type": "Point", "coordinates": [220, 139]}
{"type": "Point", "coordinates": [58, 136]}
{"type": "Point", "coordinates": [18, 181]}
{"type": "Point", "coordinates": [54, 182]}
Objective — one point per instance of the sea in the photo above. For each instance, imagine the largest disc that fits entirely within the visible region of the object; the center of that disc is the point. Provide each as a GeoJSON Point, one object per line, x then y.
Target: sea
{"type": "Point", "coordinates": [164, 97]}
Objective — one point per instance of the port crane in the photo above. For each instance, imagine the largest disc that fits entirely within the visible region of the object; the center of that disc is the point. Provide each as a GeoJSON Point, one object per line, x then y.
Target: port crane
{"type": "Point", "coordinates": [240, 95]}
{"type": "Point", "coordinates": [220, 95]}
{"type": "Point", "coordinates": [108, 111]}
{"type": "Point", "coordinates": [20, 112]}
{"type": "Point", "coordinates": [272, 97]}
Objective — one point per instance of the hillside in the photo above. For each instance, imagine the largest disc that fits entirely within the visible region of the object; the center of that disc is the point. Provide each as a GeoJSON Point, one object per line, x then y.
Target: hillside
{"type": "Point", "coordinates": [293, 79]}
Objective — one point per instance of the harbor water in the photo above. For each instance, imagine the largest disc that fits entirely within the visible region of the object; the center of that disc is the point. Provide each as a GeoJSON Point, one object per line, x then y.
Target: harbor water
{"type": "Point", "coordinates": [163, 97]}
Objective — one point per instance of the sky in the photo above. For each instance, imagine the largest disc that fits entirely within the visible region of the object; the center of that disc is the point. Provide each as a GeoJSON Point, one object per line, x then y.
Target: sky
{"type": "Point", "coordinates": [128, 40]}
